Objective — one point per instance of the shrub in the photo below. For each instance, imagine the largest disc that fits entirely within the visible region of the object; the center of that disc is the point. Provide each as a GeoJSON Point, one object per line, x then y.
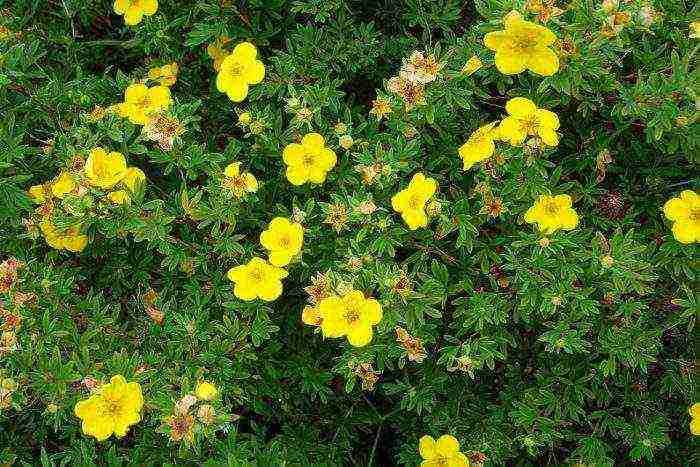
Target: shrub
{"type": "Point", "coordinates": [350, 232]}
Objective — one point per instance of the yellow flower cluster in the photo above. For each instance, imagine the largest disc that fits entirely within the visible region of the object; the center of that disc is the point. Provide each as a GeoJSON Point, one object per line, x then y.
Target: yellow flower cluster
{"type": "Point", "coordinates": [443, 452]}
{"type": "Point", "coordinates": [141, 102]}
{"type": "Point", "coordinates": [524, 119]}
{"type": "Point", "coordinates": [410, 202]}
{"type": "Point", "coordinates": [165, 75]}
{"type": "Point", "coordinates": [134, 10]}
{"type": "Point", "coordinates": [262, 279]}
{"type": "Point", "coordinates": [107, 170]}
{"type": "Point", "coordinates": [111, 409]}
{"type": "Point", "coordinates": [309, 161]}
{"type": "Point", "coordinates": [684, 212]}
{"type": "Point", "coordinates": [239, 70]}
{"type": "Point", "coordinates": [350, 315]}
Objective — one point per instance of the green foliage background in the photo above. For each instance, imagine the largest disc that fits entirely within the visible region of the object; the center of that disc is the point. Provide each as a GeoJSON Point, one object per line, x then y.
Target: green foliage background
{"type": "Point", "coordinates": [582, 378]}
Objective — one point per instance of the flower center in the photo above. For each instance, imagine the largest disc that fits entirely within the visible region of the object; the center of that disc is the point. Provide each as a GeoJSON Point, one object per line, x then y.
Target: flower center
{"type": "Point", "coordinates": [551, 208]}
{"type": "Point", "coordinates": [112, 407]}
{"type": "Point", "coordinates": [308, 159]}
{"type": "Point", "coordinates": [695, 214]}
{"type": "Point", "coordinates": [415, 201]}
{"type": "Point", "coordinates": [143, 102]}
{"type": "Point", "coordinates": [529, 124]}
{"type": "Point", "coordinates": [255, 274]}
{"type": "Point", "coordinates": [236, 70]}
{"type": "Point", "coordinates": [285, 241]}
{"type": "Point", "coordinates": [352, 313]}
{"type": "Point", "coordinates": [524, 42]}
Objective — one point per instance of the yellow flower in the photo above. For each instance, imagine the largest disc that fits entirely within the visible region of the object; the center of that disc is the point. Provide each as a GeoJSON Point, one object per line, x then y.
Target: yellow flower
{"type": "Point", "coordinates": [309, 161]}
{"type": "Point", "coordinates": [257, 279]}
{"type": "Point", "coordinates": [523, 45]}
{"type": "Point", "coordinates": [104, 170]}
{"type": "Point", "coordinates": [312, 316]}
{"type": "Point", "coordinates": [479, 146]}
{"type": "Point", "coordinates": [72, 239]}
{"type": "Point", "coordinates": [443, 452]}
{"type": "Point", "coordinates": [63, 185]}
{"type": "Point", "coordinates": [133, 181]}
{"type": "Point", "coordinates": [112, 409]}
{"type": "Point", "coordinates": [205, 391]}
{"type": "Point", "coordinates": [694, 412]}
{"type": "Point", "coordinates": [694, 30]}
{"type": "Point", "coordinates": [283, 239]}
{"type": "Point", "coordinates": [244, 118]}
{"type": "Point", "coordinates": [37, 193]}
{"type": "Point", "coordinates": [472, 65]}
{"type": "Point", "coordinates": [684, 212]}
{"type": "Point", "coordinates": [239, 70]}
{"type": "Point", "coordinates": [237, 182]}
{"type": "Point", "coordinates": [351, 315]}
{"type": "Point", "coordinates": [165, 75]}
{"type": "Point", "coordinates": [119, 197]}
{"type": "Point", "coordinates": [525, 119]}
{"type": "Point", "coordinates": [134, 10]}
{"type": "Point", "coordinates": [410, 202]}
{"type": "Point", "coordinates": [142, 102]}
{"type": "Point", "coordinates": [552, 213]}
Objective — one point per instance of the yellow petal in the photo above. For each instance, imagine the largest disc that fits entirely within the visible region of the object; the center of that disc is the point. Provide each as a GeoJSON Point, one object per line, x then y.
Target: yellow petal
{"type": "Point", "coordinates": [497, 40]}
{"type": "Point", "coordinates": [520, 107]}
{"type": "Point", "coordinates": [254, 73]}
{"type": "Point", "coordinates": [685, 232]}
{"type": "Point", "coordinates": [359, 335]}
{"type": "Point", "coordinates": [543, 61]}
{"type": "Point", "coordinates": [297, 175]}
{"type": "Point", "coordinates": [426, 447]}
{"type": "Point", "coordinates": [133, 15]}
{"type": "Point", "coordinates": [447, 445]}
{"type": "Point", "coordinates": [245, 51]}
{"type": "Point", "coordinates": [237, 91]}
{"type": "Point", "coordinates": [149, 6]}
{"type": "Point", "coordinates": [508, 62]}
{"type": "Point", "coordinates": [293, 154]}
{"type": "Point", "coordinates": [313, 142]}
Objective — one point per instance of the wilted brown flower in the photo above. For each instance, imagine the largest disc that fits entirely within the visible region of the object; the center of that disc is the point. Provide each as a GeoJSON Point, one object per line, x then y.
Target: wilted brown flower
{"type": "Point", "coordinates": [163, 130]}
{"type": "Point", "coordinates": [381, 107]}
{"type": "Point", "coordinates": [181, 426]}
{"type": "Point", "coordinates": [412, 345]}
{"type": "Point", "coordinates": [320, 288]}
{"type": "Point", "coordinates": [337, 216]}
{"type": "Point", "coordinates": [366, 373]}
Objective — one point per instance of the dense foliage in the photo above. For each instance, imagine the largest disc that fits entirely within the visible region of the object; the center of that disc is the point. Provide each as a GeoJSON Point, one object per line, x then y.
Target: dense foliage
{"type": "Point", "coordinates": [531, 337]}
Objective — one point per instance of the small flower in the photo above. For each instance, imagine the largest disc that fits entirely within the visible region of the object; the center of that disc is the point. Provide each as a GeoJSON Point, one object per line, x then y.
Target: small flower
{"type": "Point", "coordinates": [141, 102]}
{"type": "Point", "coordinates": [163, 129]}
{"type": "Point", "coordinates": [444, 451]}
{"type": "Point", "coordinates": [165, 75]}
{"type": "Point", "coordinates": [479, 147]}
{"type": "Point", "coordinates": [420, 68]}
{"type": "Point", "coordinates": [244, 118]}
{"type": "Point", "coordinates": [185, 403]}
{"type": "Point", "coordinates": [305, 114]}
{"type": "Point", "coordinates": [412, 93]}
{"type": "Point", "coordinates": [206, 414]}
{"type": "Point", "coordinates": [525, 119]}
{"type": "Point", "coordinates": [134, 10]}
{"type": "Point", "coordinates": [309, 161]}
{"type": "Point", "coordinates": [410, 202]}
{"type": "Point", "coordinates": [181, 426]}
{"type": "Point", "coordinates": [216, 51]}
{"type": "Point", "coordinates": [493, 207]}
{"type": "Point", "coordinates": [310, 315]}
{"type": "Point", "coordinates": [694, 30]}
{"type": "Point", "coordinates": [523, 45]}
{"type": "Point", "coordinates": [63, 185]}
{"type": "Point", "coordinates": [351, 315]}
{"type": "Point", "coordinates": [412, 345]}
{"type": "Point", "coordinates": [97, 113]}
{"type": "Point", "coordinates": [257, 279]}
{"type": "Point", "coordinates": [205, 391]}
{"type": "Point", "coordinates": [381, 107]}
{"type": "Point", "coordinates": [472, 66]}
{"type": "Point", "coordinates": [694, 411]}
{"type": "Point", "coordinates": [134, 180]}
{"type": "Point", "coordinates": [239, 70]}
{"type": "Point", "coordinates": [38, 193]}
{"type": "Point", "coordinates": [684, 212]}
{"type": "Point", "coordinates": [337, 216]}
{"type": "Point", "coordinates": [552, 213]}
{"type": "Point", "coordinates": [283, 239]}
{"type": "Point", "coordinates": [366, 207]}
{"type": "Point", "coordinates": [71, 239]}
{"type": "Point", "coordinates": [607, 261]}
{"type": "Point", "coordinates": [104, 170]}
{"type": "Point", "coordinates": [238, 183]}
{"type": "Point", "coordinates": [367, 375]}
{"type": "Point", "coordinates": [319, 289]}
{"type": "Point", "coordinates": [340, 128]}
{"type": "Point", "coordinates": [345, 141]}
{"type": "Point", "coordinates": [111, 409]}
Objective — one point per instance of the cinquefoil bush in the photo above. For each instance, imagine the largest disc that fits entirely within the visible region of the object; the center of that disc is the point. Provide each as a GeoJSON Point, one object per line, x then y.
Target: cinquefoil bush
{"type": "Point", "coordinates": [348, 232]}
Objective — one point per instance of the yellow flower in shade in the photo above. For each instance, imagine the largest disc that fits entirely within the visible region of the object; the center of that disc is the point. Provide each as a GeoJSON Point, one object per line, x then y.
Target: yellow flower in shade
{"type": "Point", "coordinates": [237, 182]}
{"type": "Point", "coordinates": [283, 239]}
{"type": "Point", "coordinates": [119, 197]}
{"type": "Point", "coordinates": [216, 51]}
{"type": "Point", "coordinates": [479, 146]}
{"type": "Point", "coordinates": [525, 119]}
{"type": "Point", "coordinates": [443, 452]}
{"type": "Point", "coordinates": [165, 75]}
{"type": "Point", "coordinates": [257, 279]}
{"type": "Point", "coordinates": [63, 185]}
{"type": "Point", "coordinates": [351, 315]}
{"type": "Point", "coordinates": [472, 66]}
{"type": "Point", "coordinates": [694, 30]}
{"type": "Point", "coordinates": [71, 239]}
{"type": "Point", "coordinates": [245, 118]}
{"type": "Point", "coordinates": [111, 409]}
{"type": "Point", "coordinates": [523, 45]}
{"type": "Point", "coordinates": [309, 161]}
{"type": "Point", "coordinates": [205, 391]}
{"type": "Point", "coordinates": [103, 169]}
{"type": "Point", "coordinates": [684, 212]}
{"type": "Point", "coordinates": [142, 102]}
{"type": "Point", "coordinates": [694, 412]}
{"type": "Point", "coordinates": [135, 10]}
{"type": "Point", "coordinates": [133, 181]}
{"type": "Point", "coordinates": [239, 70]}
{"type": "Point", "coordinates": [410, 202]}
{"type": "Point", "coordinates": [37, 193]}
{"type": "Point", "coordinates": [552, 213]}
{"type": "Point", "coordinates": [311, 315]}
